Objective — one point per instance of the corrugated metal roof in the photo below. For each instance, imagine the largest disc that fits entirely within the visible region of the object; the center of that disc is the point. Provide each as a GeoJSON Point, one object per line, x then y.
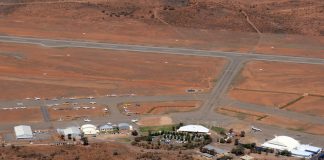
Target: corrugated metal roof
{"type": "Point", "coordinates": [23, 132]}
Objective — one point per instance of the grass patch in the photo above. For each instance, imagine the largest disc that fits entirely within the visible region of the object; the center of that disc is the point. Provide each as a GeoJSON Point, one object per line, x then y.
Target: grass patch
{"type": "Point", "coordinates": [126, 140]}
{"type": "Point", "coordinates": [218, 129]}
{"type": "Point", "coordinates": [292, 102]}
{"type": "Point", "coordinates": [262, 117]}
{"type": "Point", "coordinates": [156, 128]}
{"type": "Point", "coordinates": [299, 129]}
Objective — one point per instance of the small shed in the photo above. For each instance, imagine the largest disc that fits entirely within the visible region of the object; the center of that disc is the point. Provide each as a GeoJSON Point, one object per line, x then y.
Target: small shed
{"type": "Point", "coordinates": [215, 150]}
{"type": "Point", "coordinates": [23, 132]}
{"type": "Point", "coordinates": [124, 126]}
{"type": "Point", "coordinates": [73, 131]}
{"type": "Point", "coordinates": [106, 128]}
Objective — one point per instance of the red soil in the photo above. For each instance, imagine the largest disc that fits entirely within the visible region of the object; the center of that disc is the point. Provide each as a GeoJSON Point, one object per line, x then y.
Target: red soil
{"type": "Point", "coordinates": [163, 107]}
{"type": "Point", "coordinates": [68, 113]}
{"type": "Point", "coordinates": [28, 71]}
{"type": "Point", "coordinates": [30, 114]}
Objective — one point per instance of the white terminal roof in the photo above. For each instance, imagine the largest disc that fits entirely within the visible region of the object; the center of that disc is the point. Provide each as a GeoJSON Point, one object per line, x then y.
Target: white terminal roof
{"type": "Point", "coordinates": [23, 132]}
{"type": "Point", "coordinates": [89, 129]}
{"type": "Point", "coordinates": [193, 128]}
{"type": "Point", "coordinates": [282, 143]}
{"type": "Point", "coordinates": [292, 145]}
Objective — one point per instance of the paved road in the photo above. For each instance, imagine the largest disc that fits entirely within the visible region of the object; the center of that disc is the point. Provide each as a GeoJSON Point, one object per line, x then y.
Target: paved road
{"type": "Point", "coordinates": [105, 100]}
{"type": "Point", "coordinates": [222, 85]}
{"type": "Point", "coordinates": [45, 113]}
{"type": "Point", "coordinates": [153, 49]}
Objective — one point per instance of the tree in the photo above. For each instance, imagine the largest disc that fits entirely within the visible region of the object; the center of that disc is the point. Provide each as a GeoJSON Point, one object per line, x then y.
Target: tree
{"type": "Point", "coordinates": [69, 136]}
{"type": "Point", "coordinates": [242, 134]}
{"type": "Point", "coordinates": [115, 153]}
{"type": "Point", "coordinates": [62, 137]}
{"type": "Point", "coordinates": [149, 138]}
{"type": "Point", "coordinates": [134, 133]}
{"type": "Point", "coordinates": [229, 140]}
{"type": "Point", "coordinates": [239, 150]}
{"type": "Point", "coordinates": [236, 142]}
{"type": "Point", "coordinates": [222, 140]}
{"type": "Point", "coordinates": [179, 125]}
{"type": "Point", "coordinates": [285, 153]}
{"type": "Point", "coordinates": [85, 141]}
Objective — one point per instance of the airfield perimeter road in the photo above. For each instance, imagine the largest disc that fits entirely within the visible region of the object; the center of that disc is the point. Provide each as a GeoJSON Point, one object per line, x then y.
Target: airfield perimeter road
{"type": "Point", "coordinates": [217, 96]}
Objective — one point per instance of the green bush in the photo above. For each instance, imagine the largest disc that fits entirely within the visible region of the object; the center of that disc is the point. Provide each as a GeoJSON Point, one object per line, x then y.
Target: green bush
{"type": "Point", "coordinates": [239, 150]}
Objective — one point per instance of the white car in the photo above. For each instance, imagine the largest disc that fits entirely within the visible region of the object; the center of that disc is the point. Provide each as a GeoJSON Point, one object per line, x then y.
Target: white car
{"type": "Point", "coordinates": [37, 98]}
{"type": "Point", "coordinates": [90, 97]}
{"type": "Point", "coordinates": [87, 120]}
{"type": "Point", "coordinates": [134, 120]}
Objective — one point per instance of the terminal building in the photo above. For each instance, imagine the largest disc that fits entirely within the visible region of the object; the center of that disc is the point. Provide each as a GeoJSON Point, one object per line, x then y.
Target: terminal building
{"type": "Point", "coordinates": [287, 143]}
{"type": "Point", "coordinates": [193, 129]}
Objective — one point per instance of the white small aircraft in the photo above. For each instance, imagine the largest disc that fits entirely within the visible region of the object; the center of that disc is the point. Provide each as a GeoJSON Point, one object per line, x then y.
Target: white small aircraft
{"type": "Point", "coordinates": [255, 129]}
{"type": "Point", "coordinates": [36, 98]}
{"type": "Point", "coordinates": [87, 120]}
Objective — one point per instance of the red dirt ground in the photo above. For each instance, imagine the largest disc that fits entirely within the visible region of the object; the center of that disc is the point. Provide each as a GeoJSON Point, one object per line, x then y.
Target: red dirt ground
{"type": "Point", "coordinates": [30, 114]}
{"type": "Point", "coordinates": [68, 113]}
{"type": "Point", "coordinates": [155, 121]}
{"type": "Point", "coordinates": [262, 98]}
{"type": "Point", "coordinates": [175, 23]}
{"type": "Point", "coordinates": [309, 105]}
{"type": "Point", "coordinates": [272, 120]}
{"type": "Point", "coordinates": [162, 107]}
{"type": "Point", "coordinates": [94, 151]}
{"type": "Point", "coordinates": [277, 84]}
{"type": "Point", "coordinates": [28, 71]}
{"type": "Point", "coordinates": [282, 77]}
